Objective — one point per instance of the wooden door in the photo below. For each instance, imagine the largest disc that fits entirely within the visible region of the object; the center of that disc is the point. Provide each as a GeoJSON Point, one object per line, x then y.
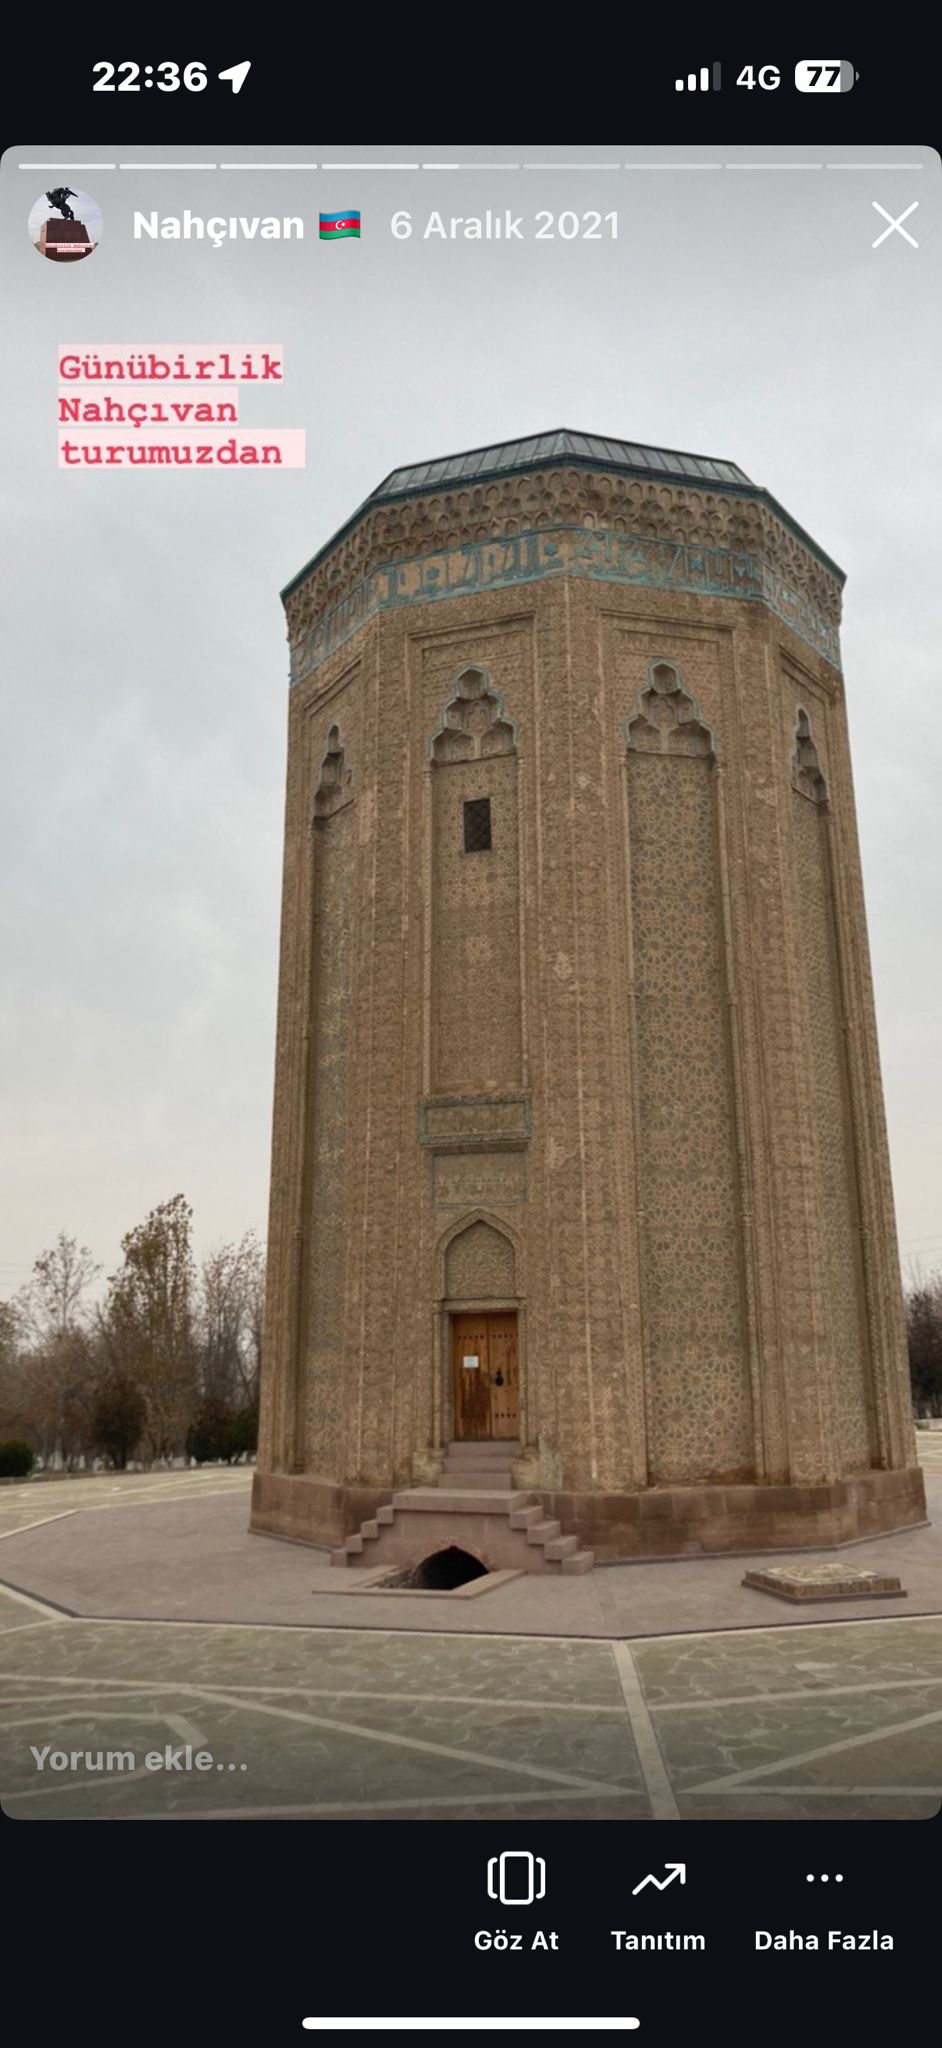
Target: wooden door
{"type": "Point", "coordinates": [504, 1391]}
{"type": "Point", "coordinates": [484, 1365]}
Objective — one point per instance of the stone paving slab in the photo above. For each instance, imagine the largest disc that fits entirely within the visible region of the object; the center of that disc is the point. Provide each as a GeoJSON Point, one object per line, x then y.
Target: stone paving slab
{"type": "Point", "coordinates": [838, 1722]}
{"type": "Point", "coordinates": [27, 1503]}
{"type": "Point", "coordinates": [423, 1726]}
{"type": "Point", "coordinates": [439, 1665]}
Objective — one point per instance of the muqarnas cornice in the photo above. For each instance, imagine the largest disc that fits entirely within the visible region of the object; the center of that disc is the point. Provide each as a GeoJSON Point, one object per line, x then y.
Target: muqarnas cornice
{"type": "Point", "coordinates": [730, 541]}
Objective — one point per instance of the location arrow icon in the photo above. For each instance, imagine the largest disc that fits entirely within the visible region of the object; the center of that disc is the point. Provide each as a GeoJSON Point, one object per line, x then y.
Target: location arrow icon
{"type": "Point", "coordinates": [236, 74]}
{"type": "Point", "coordinates": [673, 1870]}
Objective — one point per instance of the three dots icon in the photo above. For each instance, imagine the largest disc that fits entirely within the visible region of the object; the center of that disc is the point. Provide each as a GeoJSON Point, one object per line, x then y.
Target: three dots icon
{"type": "Point", "coordinates": [825, 1877]}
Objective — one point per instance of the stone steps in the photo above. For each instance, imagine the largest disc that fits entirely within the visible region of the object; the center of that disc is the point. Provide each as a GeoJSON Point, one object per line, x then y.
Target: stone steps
{"type": "Point", "coordinates": [493, 1476]}
{"type": "Point", "coordinates": [488, 1462]}
{"type": "Point", "coordinates": [477, 1500]}
{"type": "Point", "coordinates": [500, 1525]}
{"type": "Point", "coordinates": [471, 1457]}
{"type": "Point", "coordinates": [470, 1449]}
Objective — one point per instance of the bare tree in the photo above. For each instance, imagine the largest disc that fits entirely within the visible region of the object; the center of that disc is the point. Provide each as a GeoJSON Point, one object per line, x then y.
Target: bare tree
{"type": "Point", "coordinates": [56, 1392]}
{"type": "Point", "coordinates": [52, 1304]}
{"type": "Point", "coordinates": [148, 1323]}
{"type": "Point", "coordinates": [54, 1363]}
{"type": "Point", "coordinates": [160, 1351]}
{"type": "Point", "coordinates": [11, 1374]}
{"type": "Point", "coordinates": [255, 1312]}
{"type": "Point", "coordinates": [232, 1281]}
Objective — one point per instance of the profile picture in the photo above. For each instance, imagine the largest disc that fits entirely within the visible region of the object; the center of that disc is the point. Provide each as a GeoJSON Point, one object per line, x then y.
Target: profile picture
{"type": "Point", "coordinates": [64, 224]}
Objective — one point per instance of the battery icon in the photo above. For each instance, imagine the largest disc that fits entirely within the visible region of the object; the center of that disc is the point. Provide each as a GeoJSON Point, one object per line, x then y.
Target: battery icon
{"type": "Point", "coordinates": [825, 74]}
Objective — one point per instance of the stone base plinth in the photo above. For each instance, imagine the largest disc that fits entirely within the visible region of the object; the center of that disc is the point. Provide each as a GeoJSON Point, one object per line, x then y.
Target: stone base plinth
{"type": "Point", "coordinates": [680, 1521]}
{"type": "Point", "coordinates": [692, 1521]}
{"type": "Point", "coordinates": [801, 1583]}
{"type": "Point", "coordinates": [65, 240]}
{"type": "Point", "coordinates": [309, 1510]}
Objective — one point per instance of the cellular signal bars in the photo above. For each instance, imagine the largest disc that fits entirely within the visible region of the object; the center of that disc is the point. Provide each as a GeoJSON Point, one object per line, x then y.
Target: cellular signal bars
{"type": "Point", "coordinates": [709, 77]}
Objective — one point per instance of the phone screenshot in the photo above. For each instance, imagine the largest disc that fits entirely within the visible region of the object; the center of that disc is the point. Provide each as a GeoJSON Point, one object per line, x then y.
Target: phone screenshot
{"type": "Point", "coordinates": [471, 1249]}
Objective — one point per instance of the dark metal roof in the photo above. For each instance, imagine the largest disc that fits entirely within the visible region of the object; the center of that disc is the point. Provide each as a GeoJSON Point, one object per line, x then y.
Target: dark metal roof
{"type": "Point", "coordinates": [507, 456]}
{"type": "Point", "coordinates": [584, 451]}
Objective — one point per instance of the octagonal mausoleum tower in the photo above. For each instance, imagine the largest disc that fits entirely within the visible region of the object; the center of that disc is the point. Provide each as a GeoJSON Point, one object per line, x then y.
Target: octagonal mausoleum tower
{"type": "Point", "coordinates": [579, 1144]}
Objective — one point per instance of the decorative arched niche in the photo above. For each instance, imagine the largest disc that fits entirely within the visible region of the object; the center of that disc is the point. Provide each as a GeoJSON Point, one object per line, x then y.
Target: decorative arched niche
{"type": "Point", "coordinates": [332, 856]}
{"type": "Point", "coordinates": [666, 719]}
{"type": "Point", "coordinates": [474, 892]}
{"type": "Point", "coordinates": [473, 724]}
{"type": "Point", "coordinates": [479, 1263]}
{"type": "Point", "coordinates": [479, 1273]}
{"type": "Point", "coordinates": [807, 777]}
{"type": "Point", "coordinates": [333, 782]}
{"type": "Point", "coordinates": [682, 1050]}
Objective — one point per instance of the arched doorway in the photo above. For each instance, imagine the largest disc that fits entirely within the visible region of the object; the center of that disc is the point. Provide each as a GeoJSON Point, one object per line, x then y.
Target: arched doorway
{"type": "Point", "coordinates": [481, 1333]}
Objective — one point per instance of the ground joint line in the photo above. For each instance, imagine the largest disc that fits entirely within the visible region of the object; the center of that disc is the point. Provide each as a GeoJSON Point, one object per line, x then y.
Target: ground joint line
{"type": "Point", "coordinates": [386, 1736]}
{"type": "Point", "coordinates": [749, 1777]}
{"type": "Point", "coordinates": [653, 1770]}
{"type": "Point", "coordinates": [38, 1606]}
{"type": "Point", "coordinates": [42, 1522]}
{"type": "Point", "coordinates": [18, 1627]}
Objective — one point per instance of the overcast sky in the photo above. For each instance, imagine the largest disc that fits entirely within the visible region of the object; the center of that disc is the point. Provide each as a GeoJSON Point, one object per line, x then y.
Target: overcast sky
{"type": "Point", "coordinates": [741, 313]}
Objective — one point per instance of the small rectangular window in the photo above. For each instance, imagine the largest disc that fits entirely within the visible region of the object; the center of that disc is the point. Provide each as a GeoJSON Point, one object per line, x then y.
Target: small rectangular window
{"type": "Point", "coordinates": [477, 825]}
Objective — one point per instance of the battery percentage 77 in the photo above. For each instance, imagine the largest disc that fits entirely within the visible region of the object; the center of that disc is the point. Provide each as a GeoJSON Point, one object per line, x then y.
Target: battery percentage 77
{"type": "Point", "coordinates": [825, 74]}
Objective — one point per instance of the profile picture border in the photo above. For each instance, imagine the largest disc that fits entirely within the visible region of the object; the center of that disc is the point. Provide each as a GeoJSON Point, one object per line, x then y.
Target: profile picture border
{"type": "Point", "coordinates": [76, 216]}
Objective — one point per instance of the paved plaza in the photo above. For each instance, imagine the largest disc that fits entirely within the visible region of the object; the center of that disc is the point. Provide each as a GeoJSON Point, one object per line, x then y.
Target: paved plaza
{"type": "Point", "coordinates": [139, 1614]}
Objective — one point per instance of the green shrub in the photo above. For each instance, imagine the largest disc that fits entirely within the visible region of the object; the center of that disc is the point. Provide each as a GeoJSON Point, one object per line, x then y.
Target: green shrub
{"type": "Point", "coordinates": [218, 1431]}
{"type": "Point", "coordinates": [16, 1459]}
{"type": "Point", "coordinates": [118, 1418]}
{"type": "Point", "coordinates": [243, 1432]}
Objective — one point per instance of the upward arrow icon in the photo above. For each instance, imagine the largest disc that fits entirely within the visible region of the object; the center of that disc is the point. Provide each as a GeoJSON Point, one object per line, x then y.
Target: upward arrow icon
{"type": "Point", "coordinates": [673, 1870]}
